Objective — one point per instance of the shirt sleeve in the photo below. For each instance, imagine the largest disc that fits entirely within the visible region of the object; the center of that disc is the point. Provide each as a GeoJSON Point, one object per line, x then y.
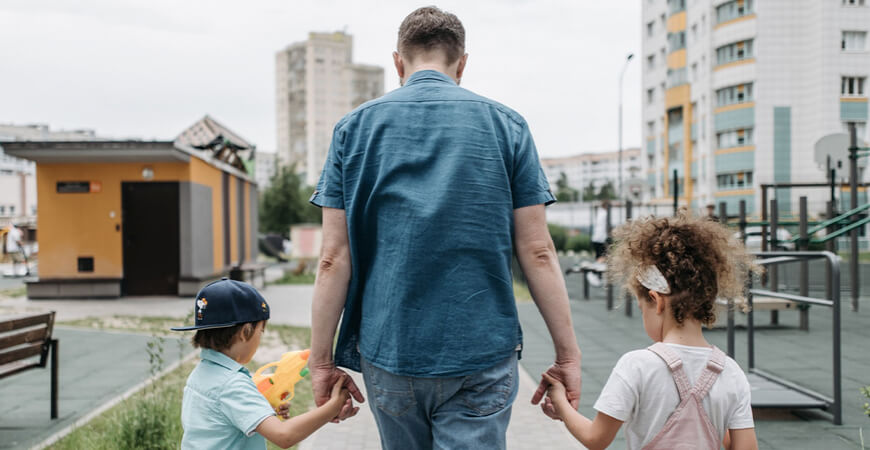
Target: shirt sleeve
{"type": "Point", "coordinates": [528, 183]}
{"type": "Point", "coordinates": [330, 190]}
{"type": "Point", "coordinates": [620, 395]}
{"type": "Point", "coordinates": [741, 415]}
{"type": "Point", "coordinates": [243, 404]}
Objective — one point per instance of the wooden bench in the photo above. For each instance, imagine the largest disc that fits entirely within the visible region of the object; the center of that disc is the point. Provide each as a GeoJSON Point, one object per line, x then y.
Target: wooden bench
{"type": "Point", "coordinates": [25, 338]}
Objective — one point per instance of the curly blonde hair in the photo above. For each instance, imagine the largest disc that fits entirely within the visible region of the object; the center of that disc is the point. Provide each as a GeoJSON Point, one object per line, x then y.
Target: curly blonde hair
{"type": "Point", "coordinates": [700, 259]}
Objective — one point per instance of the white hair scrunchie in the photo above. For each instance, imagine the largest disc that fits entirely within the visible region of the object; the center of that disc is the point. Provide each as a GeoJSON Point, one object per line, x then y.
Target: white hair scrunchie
{"type": "Point", "coordinates": [652, 279]}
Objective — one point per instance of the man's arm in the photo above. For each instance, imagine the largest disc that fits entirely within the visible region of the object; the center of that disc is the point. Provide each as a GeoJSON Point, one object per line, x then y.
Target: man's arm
{"type": "Point", "coordinates": [330, 291]}
{"type": "Point", "coordinates": [537, 257]}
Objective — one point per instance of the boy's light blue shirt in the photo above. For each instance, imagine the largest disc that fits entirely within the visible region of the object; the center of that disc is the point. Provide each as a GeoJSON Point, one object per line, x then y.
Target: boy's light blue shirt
{"type": "Point", "coordinates": [429, 176]}
{"type": "Point", "coordinates": [221, 406]}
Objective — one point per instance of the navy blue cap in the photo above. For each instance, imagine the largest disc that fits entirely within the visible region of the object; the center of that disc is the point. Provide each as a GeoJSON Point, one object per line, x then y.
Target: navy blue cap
{"type": "Point", "coordinates": [225, 303]}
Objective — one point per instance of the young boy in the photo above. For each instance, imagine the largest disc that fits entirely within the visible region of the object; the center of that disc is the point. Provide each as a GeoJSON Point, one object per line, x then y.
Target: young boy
{"type": "Point", "coordinates": [222, 408]}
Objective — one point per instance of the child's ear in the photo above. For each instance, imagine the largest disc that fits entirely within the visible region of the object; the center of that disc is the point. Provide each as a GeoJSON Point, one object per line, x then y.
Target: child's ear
{"type": "Point", "coordinates": [659, 299]}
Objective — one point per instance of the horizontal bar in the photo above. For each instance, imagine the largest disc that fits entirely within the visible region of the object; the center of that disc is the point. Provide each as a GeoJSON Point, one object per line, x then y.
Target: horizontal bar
{"type": "Point", "coordinates": [832, 221]}
{"type": "Point", "coordinates": [845, 229]}
{"type": "Point", "coordinates": [792, 297]}
{"type": "Point", "coordinates": [783, 382]}
{"type": "Point", "coordinates": [778, 260]}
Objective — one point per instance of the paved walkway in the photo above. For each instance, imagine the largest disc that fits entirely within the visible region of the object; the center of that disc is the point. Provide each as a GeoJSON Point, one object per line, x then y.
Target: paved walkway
{"type": "Point", "coordinates": [89, 379]}
{"type": "Point", "coordinates": [802, 357]}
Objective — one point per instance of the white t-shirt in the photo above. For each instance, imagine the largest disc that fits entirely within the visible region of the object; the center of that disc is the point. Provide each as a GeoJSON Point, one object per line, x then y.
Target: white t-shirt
{"type": "Point", "coordinates": [12, 238]}
{"type": "Point", "coordinates": [599, 231]}
{"type": "Point", "coordinates": [641, 392]}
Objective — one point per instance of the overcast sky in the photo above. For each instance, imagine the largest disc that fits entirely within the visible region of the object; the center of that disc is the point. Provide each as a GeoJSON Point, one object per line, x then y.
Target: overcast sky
{"type": "Point", "coordinates": [148, 69]}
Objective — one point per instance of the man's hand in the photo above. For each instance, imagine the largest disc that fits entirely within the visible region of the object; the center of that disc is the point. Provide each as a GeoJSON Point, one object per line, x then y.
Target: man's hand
{"type": "Point", "coordinates": [323, 378]}
{"type": "Point", "coordinates": [567, 373]}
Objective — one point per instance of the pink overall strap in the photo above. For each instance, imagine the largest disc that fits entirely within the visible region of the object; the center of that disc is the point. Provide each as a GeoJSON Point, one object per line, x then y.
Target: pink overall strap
{"type": "Point", "coordinates": [676, 365]}
{"type": "Point", "coordinates": [708, 377]}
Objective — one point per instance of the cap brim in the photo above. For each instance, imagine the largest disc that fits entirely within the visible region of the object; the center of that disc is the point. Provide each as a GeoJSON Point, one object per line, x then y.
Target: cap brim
{"type": "Point", "coordinates": [203, 327]}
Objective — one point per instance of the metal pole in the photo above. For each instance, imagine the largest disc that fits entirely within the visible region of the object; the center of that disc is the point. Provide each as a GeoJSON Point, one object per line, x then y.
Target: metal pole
{"type": "Point", "coordinates": [750, 327]}
{"type": "Point", "coordinates": [628, 300]}
{"type": "Point", "coordinates": [853, 203]}
{"type": "Point", "coordinates": [609, 285]}
{"type": "Point", "coordinates": [774, 269]}
{"type": "Point", "coordinates": [621, 76]}
{"type": "Point", "coordinates": [804, 266]}
{"type": "Point", "coordinates": [742, 224]}
{"type": "Point", "coordinates": [829, 246]}
{"type": "Point", "coordinates": [723, 212]}
{"type": "Point", "coordinates": [676, 192]}
{"type": "Point", "coordinates": [838, 396]}
{"type": "Point", "coordinates": [764, 276]}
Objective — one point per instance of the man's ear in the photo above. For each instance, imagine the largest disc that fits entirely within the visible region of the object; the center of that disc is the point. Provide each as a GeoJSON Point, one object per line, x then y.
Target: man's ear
{"type": "Point", "coordinates": [460, 68]}
{"type": "Point", "coordinates": [400, 65]}
{"type": "Point", "coordinates": [659, 299]}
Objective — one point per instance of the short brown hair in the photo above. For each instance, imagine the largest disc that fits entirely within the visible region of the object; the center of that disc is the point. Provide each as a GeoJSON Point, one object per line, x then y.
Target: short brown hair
{"type": "Point", "coordinates": [701, 260]}
{"type": "Point", "coordinates": [430, 28]}
{"type": "Point", "coordinates": [220, 339]}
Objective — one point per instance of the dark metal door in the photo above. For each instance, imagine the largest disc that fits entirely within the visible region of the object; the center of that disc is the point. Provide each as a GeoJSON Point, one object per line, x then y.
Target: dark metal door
{"type": "Point", "coordinates": [150, 221]}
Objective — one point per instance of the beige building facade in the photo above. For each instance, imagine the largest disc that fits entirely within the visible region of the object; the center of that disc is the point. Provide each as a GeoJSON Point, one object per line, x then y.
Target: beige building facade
{"type": "Point", "coordinates": [316, 84]}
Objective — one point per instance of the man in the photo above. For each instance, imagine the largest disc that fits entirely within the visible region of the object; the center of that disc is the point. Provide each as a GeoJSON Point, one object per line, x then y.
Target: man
{"type": "Point", "coordinates": [600, 237]}
{"type": "Point", "coordinates": [425, 193]}
{"type": "Point", "coordinates": [15, 249]}
{"type": "Point", "coordinates": [711, 213]}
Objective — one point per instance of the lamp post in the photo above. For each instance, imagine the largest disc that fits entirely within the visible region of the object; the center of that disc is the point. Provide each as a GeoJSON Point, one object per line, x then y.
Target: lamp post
{"type": "Point", "coordinates": [621, 76]}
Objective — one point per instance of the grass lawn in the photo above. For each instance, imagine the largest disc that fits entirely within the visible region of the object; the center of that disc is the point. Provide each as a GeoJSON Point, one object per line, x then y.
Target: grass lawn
{"type": "Point", "coordinates": [14, 292]}
{"type": "Point", "coordinates": [151, 419]}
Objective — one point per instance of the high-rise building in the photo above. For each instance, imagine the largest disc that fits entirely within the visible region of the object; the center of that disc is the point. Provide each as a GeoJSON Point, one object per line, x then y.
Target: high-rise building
{"type": "Point", "coordinates": [737, 92]}
{"type": "Point", "coordinates": [317, 83]}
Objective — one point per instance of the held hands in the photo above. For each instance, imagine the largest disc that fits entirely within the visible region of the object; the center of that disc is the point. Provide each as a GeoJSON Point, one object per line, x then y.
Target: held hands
{"type": "Point", "coordinates": [339, 395]}
{"type": "Point", "coordinates": [324, 378]}
{"type": "Point", "coordinates": [567, 375]}
{"type": "Point", "coordinates": [557, 395]}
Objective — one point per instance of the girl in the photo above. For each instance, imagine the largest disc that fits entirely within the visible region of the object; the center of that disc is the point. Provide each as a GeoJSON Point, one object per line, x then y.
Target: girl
{"type": "Point", "coordinates": [681, 392]}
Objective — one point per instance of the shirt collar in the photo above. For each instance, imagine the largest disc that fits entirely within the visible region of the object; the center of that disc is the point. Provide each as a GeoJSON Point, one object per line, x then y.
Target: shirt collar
{"type": "Point", "coordinates": [434, 75]}
{"type": "Point", "coordinates": [222, 360]}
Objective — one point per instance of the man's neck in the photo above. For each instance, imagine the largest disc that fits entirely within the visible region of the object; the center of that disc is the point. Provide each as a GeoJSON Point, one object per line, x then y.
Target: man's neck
{"type": "Point", "coordinates": [430, 66]}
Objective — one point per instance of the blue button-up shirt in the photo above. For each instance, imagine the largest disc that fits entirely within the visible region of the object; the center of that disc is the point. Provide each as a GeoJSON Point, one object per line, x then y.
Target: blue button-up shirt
{"type": "Point", "coordinates": [429, 176]}
{"type": "Point", "coordinates": [221, 406]}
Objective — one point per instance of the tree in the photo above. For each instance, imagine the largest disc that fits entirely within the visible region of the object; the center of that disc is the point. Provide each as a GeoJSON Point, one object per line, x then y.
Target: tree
{"type": "Point", "coordinates": [607, 192]}
{"type": "Point", "coordinates": [285, 203]}
{"type": "Point", "coordinates": [564, 192]}
{"type": "Point", "coordinates": [589, 193]}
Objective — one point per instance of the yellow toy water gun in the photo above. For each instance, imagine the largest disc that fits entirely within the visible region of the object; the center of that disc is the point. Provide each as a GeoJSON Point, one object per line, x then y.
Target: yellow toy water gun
{"type": "Point", "coordinates": [278, 386]}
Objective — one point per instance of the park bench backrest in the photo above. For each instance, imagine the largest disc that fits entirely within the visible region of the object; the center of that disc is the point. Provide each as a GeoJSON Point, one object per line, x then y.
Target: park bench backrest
{"type": "Point", "coordinates": [21, 339]}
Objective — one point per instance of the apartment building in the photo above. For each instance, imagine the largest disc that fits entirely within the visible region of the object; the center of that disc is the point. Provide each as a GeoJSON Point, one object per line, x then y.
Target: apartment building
{"type": "Point", "coordinates": [596, 169]}
{"type": "Point", "coordinates": [316, 84]}
{"type": "Point", "coordinates": [737, 92]}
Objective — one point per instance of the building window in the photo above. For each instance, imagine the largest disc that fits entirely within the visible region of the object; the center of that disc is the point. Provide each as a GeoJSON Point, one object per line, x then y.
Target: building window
{"type": "Point", "coordinates": [651, 61]}
{"type": "Point", "coordinates": [675, 6]}
{"type": "Point", "coordinates": [854, 41]}
{"type": "Point", "coordinates": [650, 28]}
{"type": "Point", "coordinates": [732, 10]}
{"type": "Point", "coordinates": [734, 138]}
{"type": "Point", "coordinates": [731, 95]}
{"type": "Point", "coordinates": [853, 2]}
{"type": "Point", "coordinates": [852, 86]}
{"type": "Point", "coordinates": [734, 180]}
{"type": "Point", "coordinates": [734, 52]}
{"type": "Point", "coordinates": [676, 41]}
{"type": "Point", "coordinates": [677, 77]}
{"type": "Point", "coordinates": [651, 128]}
{"type": "Point", "coordinates": [650, 95]}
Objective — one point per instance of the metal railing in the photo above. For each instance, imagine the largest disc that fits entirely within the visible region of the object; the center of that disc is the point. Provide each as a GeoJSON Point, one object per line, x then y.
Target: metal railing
{"type": "Point", "coordinates": [833, 405]}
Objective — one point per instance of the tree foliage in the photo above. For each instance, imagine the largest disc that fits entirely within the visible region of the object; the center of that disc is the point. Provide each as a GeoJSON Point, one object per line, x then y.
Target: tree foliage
{"type": "Point", "coordinates": [285, 203]}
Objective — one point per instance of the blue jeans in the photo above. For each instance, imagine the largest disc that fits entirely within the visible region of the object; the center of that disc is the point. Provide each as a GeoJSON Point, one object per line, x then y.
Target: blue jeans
{"type": "Point", "coordinates": [470, 411]}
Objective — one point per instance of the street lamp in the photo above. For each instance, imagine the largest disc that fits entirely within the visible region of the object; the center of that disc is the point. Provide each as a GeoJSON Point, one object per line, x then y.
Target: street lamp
{"type": "Point", "coordinates": [621, 76]}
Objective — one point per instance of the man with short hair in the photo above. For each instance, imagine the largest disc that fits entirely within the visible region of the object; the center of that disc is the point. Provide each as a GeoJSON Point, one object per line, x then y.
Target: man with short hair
{"type": "Point", "coordinates": [15, 249]}
{"type": "Point", "coordinates": [426, 193]}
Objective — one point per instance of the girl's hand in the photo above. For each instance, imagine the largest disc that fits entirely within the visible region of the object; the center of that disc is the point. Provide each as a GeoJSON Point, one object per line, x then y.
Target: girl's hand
{"type": "Point", "coordinates": [283, 410]}
{"type": "Point", "coordinates": [556, 393]}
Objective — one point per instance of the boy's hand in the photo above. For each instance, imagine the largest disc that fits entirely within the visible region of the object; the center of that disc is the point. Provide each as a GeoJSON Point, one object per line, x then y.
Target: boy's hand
{"type": "Point", "coordinates": [283, 410]}
{"type": "Point", "coordinates": [339, 394]}
{"type": "Point", "coordinates": [323, 379]}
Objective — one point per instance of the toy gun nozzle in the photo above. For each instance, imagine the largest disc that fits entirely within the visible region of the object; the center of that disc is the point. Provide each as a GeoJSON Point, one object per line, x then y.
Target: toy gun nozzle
{"type": "Point", "coordinates": [304, 354]}
{"type": "Point", "coordinates": [303, 372]}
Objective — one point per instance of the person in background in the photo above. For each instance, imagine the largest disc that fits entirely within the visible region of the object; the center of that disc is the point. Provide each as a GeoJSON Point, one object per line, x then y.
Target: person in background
{"type": "Point", "coordinates": [600, 239]}
{"type": "Point", "coordinates": [15, 249]}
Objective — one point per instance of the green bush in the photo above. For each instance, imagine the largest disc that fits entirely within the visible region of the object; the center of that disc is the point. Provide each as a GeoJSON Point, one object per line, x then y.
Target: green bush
{"type": "Point", "coordinates": [559, 235]}
{"type": "Point", "coordinates": [866, 391]}
{"type": "Point", "coordinates": [578, 243]}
